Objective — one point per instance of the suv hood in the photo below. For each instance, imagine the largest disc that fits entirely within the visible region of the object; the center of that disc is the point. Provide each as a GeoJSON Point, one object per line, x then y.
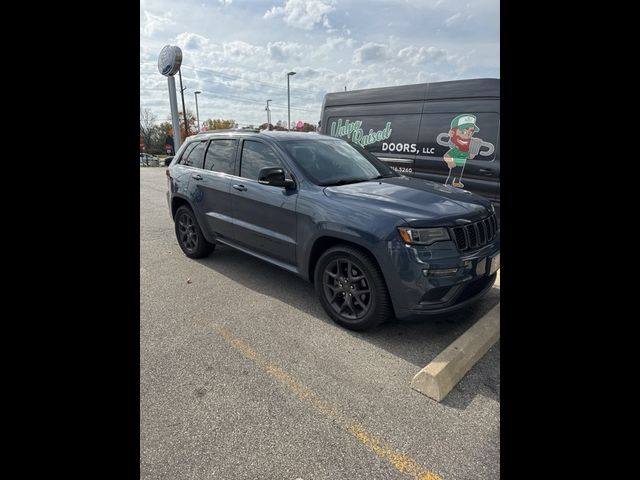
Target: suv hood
{"type": "Point", "coordinates": [420, 203]}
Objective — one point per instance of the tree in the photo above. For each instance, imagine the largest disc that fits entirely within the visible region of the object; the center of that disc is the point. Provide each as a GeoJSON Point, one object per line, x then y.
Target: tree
{"type": "Point", "coordinates": [307, 127]}
{"type": "Point", "coordinates": [164, 130]}
{"type": "Point", "coordinates": [147, 123]}
{"type": "Point", "coordinates": [191, 119]}
{"type": "Point", "coordinates": [219, 124]}
{"type": "Point", "coordinates": [162, 135]}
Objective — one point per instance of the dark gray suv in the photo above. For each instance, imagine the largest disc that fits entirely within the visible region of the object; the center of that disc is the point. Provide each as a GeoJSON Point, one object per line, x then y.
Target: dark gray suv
{"type": "Point", "coordinates": [374, 243]}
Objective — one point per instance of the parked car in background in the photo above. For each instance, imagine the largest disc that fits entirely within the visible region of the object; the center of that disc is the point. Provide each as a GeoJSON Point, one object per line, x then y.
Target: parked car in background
{"type": "Point", "coordinates": [148, 160]}
{"type": "Point", "coordinates": [375, 243]}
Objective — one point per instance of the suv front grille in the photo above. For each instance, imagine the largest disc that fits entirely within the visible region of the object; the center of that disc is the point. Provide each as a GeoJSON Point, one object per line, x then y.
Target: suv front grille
{"type": "Point", "coordinates": [475, 235]}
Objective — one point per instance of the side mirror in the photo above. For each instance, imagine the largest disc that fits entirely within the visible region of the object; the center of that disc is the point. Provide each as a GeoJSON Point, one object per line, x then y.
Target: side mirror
{"type": "Point", "coordinates": [274, 176]}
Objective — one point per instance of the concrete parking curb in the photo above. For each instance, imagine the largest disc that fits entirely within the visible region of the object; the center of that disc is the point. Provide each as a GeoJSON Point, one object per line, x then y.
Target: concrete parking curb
{"type": "Point", "coordinates": [444, 372]}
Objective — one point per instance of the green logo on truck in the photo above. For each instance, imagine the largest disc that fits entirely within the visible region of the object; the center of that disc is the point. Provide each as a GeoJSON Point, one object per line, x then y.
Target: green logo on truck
{"type": "Point", "coordinates": [355, 132]}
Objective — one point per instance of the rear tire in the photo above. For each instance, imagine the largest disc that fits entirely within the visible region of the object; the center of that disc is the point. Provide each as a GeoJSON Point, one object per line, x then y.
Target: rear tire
{"type": "Point", "coordinates": [351, 288]}
{"type": "Point", "coordinates": [189, 234]}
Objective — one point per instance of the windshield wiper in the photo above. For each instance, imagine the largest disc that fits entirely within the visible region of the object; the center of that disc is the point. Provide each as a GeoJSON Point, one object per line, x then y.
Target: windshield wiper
{"type": "Point", "coordinates": [344, 181]}
{"type": "Point", "coordinates": [390, 175]}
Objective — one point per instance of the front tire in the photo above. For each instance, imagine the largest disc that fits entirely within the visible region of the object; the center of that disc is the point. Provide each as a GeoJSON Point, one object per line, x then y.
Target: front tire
{"type": "Point", "coordinates": [351, 288]}
{"type": "Point", "coordinates": [189, 234]}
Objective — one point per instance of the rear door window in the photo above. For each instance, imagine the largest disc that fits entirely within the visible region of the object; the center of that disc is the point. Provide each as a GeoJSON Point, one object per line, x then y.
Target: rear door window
{"type": "Point", "coordinates": [221, 156]}
{"type": "Point", "coordinates": [187, 149]}
{"type": "Point", "coordinates": [195, 156]}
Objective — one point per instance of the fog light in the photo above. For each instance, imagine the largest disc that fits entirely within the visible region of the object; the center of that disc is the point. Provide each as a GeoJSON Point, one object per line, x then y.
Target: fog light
{"type": "Point", "coordinates": [440, 272]}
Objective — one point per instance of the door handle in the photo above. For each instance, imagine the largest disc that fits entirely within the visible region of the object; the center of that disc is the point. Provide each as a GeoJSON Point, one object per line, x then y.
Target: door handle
{"type": "Point", "coordinates": [242, 188]}
{"type": "Point", "coordinates": [196, 176]}
{"type": "Point", "coordinates": [487, 171]}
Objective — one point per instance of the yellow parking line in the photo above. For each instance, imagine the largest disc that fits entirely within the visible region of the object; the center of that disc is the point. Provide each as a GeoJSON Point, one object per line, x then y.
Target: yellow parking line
{"type": "Point", "coordinates": [400, 461]}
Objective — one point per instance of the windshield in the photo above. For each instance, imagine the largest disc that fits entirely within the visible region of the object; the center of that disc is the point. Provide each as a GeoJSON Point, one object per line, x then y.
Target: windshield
{"type": "Point", "coordinates": [336, 162]}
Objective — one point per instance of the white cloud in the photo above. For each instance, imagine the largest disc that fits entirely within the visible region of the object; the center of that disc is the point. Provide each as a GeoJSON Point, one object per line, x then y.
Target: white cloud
{"type": "Point", "coordinates": [332, 44]}
{"type": "Point", "coordinates": [283, 51]}
{"type": "Point", "coordinates": [417, 56]}
{"type": "Point", "coordinates": [303, 13]}
{"type": "Point", "coordinates": [314, 73]}
{"type": "Point", "coordinates": [241, 51]}
{"type": "Point", "coordinates": [424, 77]}
{"type": "Point", "coordinates": [155, 24]}
{"type": "Point", "coordinates": [191, 41]}
{"type": "Point", "coordinates": [226, 2]}
{"type": "Point", "coordinates": [370, 52]}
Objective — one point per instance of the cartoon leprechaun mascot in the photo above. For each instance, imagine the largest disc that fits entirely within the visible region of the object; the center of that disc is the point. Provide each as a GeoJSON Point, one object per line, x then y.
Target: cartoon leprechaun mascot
{"type": "Point", "coordinates": [461, 145]}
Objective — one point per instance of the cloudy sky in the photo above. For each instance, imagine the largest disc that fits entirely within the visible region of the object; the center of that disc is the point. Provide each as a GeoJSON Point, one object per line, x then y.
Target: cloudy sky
{"type": "Point", "coordinates": [237, 52]}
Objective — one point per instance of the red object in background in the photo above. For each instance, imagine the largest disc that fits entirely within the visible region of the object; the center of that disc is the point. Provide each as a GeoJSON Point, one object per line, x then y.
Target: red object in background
{"type": "Point", "coordinates": [141, 146]}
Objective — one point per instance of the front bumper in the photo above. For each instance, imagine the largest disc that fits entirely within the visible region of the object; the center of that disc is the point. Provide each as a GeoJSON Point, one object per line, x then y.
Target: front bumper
{"type": "Point", "coordinates": [435, 279]}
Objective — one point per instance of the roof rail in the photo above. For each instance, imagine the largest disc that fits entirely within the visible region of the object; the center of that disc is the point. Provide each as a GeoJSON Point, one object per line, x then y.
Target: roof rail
{"type": "Point", "coordinates": [223, 130]}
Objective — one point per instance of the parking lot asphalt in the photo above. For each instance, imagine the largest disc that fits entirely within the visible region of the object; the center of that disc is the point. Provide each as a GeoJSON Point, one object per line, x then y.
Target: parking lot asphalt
{"type": "Point", "coordinates": [243, 376]}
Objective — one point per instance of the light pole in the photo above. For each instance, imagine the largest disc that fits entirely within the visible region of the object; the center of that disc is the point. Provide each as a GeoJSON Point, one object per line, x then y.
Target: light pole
{"type": "Point", "coordinates": [169, 62]}
{"type": "Point", "coordinates": [289, 101]}
{"type": "Point", "coordinates": [184, 109]}
{"type": "Point", "coordinates": [196, 93]}
{"type": "Point", "coordinates": [268, 114]}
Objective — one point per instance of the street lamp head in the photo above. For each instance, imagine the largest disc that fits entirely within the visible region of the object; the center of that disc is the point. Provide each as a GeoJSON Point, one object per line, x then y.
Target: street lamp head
{"type": "Point", "coordinates": [197, 92]}
{"type": "Point", "coordinates": [291, 73]}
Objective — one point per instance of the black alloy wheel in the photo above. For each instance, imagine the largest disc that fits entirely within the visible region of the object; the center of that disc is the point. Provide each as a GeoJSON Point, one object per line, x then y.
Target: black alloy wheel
{"type": "Point", "coordinates": [351, 288]}
{"type": "Point", "coordinates": [189, 234]}
{"type": "Point", "coordinates": [346, 289]}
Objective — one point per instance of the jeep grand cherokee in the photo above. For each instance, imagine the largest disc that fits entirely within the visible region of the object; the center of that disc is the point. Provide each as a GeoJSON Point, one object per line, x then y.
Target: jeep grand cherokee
{"type": "Point", "coordinates": [374, 243]}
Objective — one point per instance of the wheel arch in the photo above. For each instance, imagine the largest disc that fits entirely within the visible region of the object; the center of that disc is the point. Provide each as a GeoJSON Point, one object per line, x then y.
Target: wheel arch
{"type": "Point", "coordinates": [177, 202]}
{"type": "Point", "coordinates": [324, 242]}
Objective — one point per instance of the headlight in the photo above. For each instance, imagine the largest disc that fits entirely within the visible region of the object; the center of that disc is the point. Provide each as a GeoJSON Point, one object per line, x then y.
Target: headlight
{"type": "Point", "coordinates": [423, 236]}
